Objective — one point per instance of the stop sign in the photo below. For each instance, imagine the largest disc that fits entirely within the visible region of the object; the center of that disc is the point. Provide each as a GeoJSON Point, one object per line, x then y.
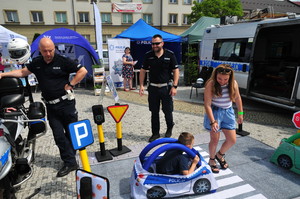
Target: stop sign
{"type": "Point", "coordinates": [296, 119]}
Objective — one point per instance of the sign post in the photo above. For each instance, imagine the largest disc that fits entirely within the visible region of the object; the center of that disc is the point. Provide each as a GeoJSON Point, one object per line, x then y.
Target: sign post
{"type": "Point", "coordinates": [117, 112]}
{"type": "Point", "coordinates": [240, 131]}
{"type": "Point", "coordinates": [99, 119]}
{"type": "Point", "coordinates": [296, 120]}
{"type": "Point", "coordinates": [82, 136]}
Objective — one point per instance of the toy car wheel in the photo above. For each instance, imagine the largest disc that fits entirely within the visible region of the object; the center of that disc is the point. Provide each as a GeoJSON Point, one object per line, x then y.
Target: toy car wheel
{"type": "Point", "coordinates": [202, 186]}
{"type": "Point", "coordinates": [285, 161]}
{"type": "Point", "coordinates": [156, 192]}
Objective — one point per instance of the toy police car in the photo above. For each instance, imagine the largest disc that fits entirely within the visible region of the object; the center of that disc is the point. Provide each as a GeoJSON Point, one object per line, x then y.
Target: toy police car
{"type": "Point", "coordinates": [145, 183]}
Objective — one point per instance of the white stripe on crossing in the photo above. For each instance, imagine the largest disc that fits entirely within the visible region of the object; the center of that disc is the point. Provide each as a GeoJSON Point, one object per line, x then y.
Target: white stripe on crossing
{"type": "Point", "coordinates": [257, 196]}
{"type": "Point", "coordinates": [228, 193]}
{"type": "Point", "coordinates": [232, 192]}
{"type": "Point", "coordinates": [204, 154]}
{"type": "Point", "coordinates": [198, 148]}
{"type": "Point", "coordinates": [228, 181]}
{"type": "Point", "coordinates": [223, 173]}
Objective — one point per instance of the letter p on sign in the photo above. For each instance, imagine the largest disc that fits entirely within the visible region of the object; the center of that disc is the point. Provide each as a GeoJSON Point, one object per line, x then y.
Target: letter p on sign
{"type": "Point", "coordinates": [81, 134]}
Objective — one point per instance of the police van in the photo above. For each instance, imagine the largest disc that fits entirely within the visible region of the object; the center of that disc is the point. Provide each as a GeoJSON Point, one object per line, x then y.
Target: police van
{"type": "Point", "coordinates": [265, 56]}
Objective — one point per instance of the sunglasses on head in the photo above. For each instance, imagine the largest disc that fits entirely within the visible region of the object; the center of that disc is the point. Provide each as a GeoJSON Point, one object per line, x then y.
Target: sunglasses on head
{"type": "Point", "coordinates": [155, 43]}
{"type": "Point", "coordinates": [223, 70]}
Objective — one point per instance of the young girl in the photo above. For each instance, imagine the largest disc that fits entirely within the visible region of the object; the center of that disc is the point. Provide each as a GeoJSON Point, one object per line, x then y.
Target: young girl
{"type": "Point", "coordinates": [220, 91]}
{"type": "Point", "coordinates": [127, 70]}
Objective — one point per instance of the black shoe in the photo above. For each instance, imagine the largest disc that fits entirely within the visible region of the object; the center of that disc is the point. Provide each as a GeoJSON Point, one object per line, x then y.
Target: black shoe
{"type": "Point", "coordinates": [169, 132]}
{"type": "Point", "coordinates": [154, 137]}
{"type": "Point", "coordinates": [65, 170]}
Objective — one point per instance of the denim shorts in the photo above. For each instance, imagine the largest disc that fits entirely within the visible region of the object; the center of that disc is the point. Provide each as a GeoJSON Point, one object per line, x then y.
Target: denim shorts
{"type": "Point", "coordinates": [224, 117]}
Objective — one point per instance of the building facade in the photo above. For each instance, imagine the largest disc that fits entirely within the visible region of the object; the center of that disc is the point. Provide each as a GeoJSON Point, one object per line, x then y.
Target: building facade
{"type": "Point", "coordinates": [30, 17]}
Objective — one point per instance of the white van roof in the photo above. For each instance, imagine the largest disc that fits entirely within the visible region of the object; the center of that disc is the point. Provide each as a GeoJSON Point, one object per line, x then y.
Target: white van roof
{"type": "Point", "coordinates": [239, 30]}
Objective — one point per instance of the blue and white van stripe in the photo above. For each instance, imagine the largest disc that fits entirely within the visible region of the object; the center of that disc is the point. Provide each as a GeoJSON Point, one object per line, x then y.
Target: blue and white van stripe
{"type": "Point", "coordinates": [237, 66]}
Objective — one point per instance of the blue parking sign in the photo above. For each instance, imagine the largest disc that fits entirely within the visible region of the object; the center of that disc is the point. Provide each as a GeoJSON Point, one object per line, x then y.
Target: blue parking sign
{"type": "Point", "coordinates": [81, 134]}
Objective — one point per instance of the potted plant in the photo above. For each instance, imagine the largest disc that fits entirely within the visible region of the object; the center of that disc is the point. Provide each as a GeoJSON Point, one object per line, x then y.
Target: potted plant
{"type": "Point", "coordinates": [97, 89]}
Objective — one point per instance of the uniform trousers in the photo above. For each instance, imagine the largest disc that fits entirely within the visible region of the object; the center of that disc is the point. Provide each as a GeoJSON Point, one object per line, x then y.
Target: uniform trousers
{"type": "Point", "coordinates": [60, 115]}
{"type": "Point", "coordinates": [157, 95]}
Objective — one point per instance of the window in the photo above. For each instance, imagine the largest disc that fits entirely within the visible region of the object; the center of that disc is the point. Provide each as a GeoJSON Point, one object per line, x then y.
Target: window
{"type": "Point", "coordinates": [37, 16]}
{"type": "Point", "coordinates": [88, 37]}
{"type": "Point", "coordinates": [126, 18]}
{"type": "Point", "coordinates": [187, 2]}
{"type": "Point", "coordinates": [105, 37]}
{"type": "Point", "coordinates": [185, 19]}
{"type": "Point", "coordinates": [173, 1]}
{"type": "Point", "coordinates": [12, 16]}
{"type": "Point", "coordinates": [84, 17]}
{"type": "Point", "coordinates": [147, 18]}
{"type": "Point", "coordinates": [104, 0]}
{"type": "Point", "coordinates": [147, 1]}
{"type": "Point", "coordinates": [60, 17]}
{"type": "Point", "coordinates": [173, 19]}
{"type": "Point", "coordinates": [237, 50]}
{"type": "Point", "coordinates": [126, 0]}
{"type": "Point", "coordinates": [279, 49]}
{"type": "Point", "coordinates": [106, 17]}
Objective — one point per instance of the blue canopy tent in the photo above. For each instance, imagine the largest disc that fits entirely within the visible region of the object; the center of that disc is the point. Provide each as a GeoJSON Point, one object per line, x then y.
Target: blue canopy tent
{"type": "Point", "coordinates": [71, 44]}
{"type": "Point", "coordinates": [140, 35]}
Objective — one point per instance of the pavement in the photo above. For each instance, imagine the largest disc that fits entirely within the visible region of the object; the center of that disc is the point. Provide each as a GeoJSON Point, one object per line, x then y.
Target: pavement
{"type": "Point", "coordinates": [250, 175]}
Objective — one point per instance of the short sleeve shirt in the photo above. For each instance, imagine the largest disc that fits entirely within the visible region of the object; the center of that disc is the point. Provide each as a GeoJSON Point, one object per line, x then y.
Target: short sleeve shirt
{"type": "Point", "coordinates": [173, 162]}
{"type": "Point", "coordinates": [54, 76]}
{"type": "Point", "coordinates": [160, 69]}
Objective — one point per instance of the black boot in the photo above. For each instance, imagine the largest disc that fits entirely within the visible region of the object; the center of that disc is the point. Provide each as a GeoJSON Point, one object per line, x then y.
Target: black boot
{"type": "Point", "coordinates": [154, 137]}
{"type": "Point", "coordinates": [169, 132]}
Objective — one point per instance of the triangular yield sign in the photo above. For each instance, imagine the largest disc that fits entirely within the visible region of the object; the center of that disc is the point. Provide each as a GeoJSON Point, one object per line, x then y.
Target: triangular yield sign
{"type": "Point", "coordinates": [117, 111]}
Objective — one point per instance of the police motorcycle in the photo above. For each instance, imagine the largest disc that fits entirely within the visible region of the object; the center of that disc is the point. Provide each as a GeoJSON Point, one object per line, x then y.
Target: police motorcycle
{"type": "Point", "coordinates": [22, 121]}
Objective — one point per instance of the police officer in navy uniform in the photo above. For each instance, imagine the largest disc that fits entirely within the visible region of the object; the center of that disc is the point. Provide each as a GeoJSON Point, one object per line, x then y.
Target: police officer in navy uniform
{"type": "Point", "coordinates": [52, 72]}
{"type": "Point", "coordinates": [163, 77]}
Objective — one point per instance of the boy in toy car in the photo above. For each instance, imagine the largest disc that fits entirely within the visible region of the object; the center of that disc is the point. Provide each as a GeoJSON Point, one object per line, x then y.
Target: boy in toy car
{"type": "Point", "coordinates": [175, 162]}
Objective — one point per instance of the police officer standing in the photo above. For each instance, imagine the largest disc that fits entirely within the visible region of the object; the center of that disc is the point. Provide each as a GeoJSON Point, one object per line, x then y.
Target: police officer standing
{"type": "Point", "coordinates": [163, 69]}
{"type": "Point", "coordinates": [52, 72]}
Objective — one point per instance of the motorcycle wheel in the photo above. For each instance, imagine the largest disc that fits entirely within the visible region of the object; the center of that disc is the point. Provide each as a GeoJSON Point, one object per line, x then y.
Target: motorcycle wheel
{"type": "Point", "coordinates": [6, 190]}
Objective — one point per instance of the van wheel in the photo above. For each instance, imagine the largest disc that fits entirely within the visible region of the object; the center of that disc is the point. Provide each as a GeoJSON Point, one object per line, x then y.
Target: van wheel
{"type": "Point", "coordinates": [285, 161]}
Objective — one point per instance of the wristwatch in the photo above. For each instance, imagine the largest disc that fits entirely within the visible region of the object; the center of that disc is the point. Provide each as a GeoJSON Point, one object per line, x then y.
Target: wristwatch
{"type": "Point", "coordinates": [175, 86]}
{"type": "Point", "coordinates": [69, 83]}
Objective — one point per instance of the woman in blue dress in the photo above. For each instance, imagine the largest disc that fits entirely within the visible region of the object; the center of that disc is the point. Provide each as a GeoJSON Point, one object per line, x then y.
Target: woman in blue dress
{"type": "Point", "coordinates": [127, 69]}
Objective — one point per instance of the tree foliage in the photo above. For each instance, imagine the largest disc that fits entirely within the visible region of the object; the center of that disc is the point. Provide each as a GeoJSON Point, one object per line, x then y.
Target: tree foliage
{"type": "Point", "coordinates": [215, 8]}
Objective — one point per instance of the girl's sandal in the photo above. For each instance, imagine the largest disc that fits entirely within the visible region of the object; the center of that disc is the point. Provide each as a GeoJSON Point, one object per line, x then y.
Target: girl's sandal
{"type": "Point", "coordinates": [222, 160]}
{"type": "Point", "coordinates": [214, 167]}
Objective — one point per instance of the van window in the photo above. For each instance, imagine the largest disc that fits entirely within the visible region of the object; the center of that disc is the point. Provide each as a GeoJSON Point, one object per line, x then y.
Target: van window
{"type": "Point", "coordinates": [237, 50]}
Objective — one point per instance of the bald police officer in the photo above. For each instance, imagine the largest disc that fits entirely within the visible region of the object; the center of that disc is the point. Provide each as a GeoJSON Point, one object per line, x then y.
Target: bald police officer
{"type": "Point", "coordinates": [52, 72]}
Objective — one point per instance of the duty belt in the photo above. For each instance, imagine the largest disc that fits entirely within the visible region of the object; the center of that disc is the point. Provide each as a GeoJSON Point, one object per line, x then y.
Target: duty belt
{"type": "Point", "coordinates": [56, 100]}
{"type": "Point", "coordinates": [160, 85]}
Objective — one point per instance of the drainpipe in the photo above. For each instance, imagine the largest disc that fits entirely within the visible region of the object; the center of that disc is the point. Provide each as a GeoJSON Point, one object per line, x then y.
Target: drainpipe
{"type": "Point", "coordinates": [73, 10]}
{"type": "Point", "coordinates": [161, 14]}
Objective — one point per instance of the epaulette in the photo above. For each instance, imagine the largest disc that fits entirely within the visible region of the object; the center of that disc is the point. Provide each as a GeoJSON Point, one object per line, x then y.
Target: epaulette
{"type": "Point", "coordinates": [170, 51]}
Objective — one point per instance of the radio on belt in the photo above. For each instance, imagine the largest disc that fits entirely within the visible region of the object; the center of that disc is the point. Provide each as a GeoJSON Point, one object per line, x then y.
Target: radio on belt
{"type": "Point", "coordinates": [70, 94]}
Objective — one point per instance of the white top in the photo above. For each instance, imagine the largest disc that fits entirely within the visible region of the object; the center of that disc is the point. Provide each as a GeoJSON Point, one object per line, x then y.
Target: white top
{"type": "Point", "coordinates": [223, 101]}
